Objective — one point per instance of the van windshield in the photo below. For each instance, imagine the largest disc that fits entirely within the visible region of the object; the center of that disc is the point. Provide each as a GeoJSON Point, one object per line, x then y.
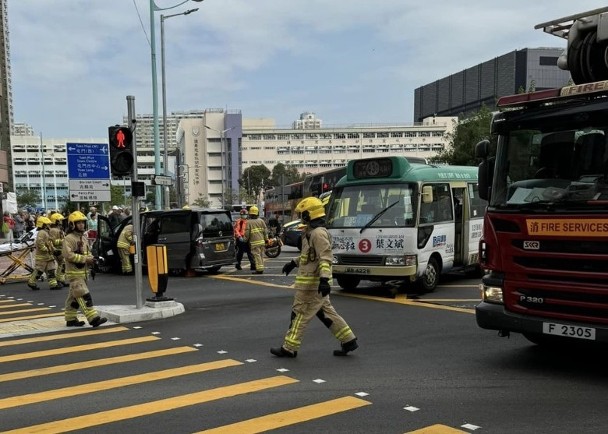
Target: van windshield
{"type": "Point", "coordinates": [174, 225]}
{"type": "Point", "coordinates": [213, 224]}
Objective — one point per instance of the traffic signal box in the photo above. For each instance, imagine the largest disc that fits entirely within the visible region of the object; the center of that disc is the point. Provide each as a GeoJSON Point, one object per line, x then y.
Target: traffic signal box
{"type": "Point", "coordinates": [121, 150]}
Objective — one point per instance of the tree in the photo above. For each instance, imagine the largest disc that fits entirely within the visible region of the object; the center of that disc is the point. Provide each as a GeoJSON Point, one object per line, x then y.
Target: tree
{"type": "Point", "coordinates": [247, 197]}
{"type": "Point", "coordinates": [27, 197]}
{"type": "Point", "coordinates": [461, 143]}
{"type": "Point", "coordinates": [283, 175]}
{"type": "Point", "coordinates": [231, 197]}
{"type": "Point", "coordinates": [202, 201]}
{"type": "Point", "coordinates": [255, 178]}
{"type": "Point", "coordinates": [118, 196]}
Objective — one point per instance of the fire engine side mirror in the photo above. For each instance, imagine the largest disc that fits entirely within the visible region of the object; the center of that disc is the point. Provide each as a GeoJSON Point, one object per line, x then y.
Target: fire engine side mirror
{"type": "Point", "coordinates": [485, 176]}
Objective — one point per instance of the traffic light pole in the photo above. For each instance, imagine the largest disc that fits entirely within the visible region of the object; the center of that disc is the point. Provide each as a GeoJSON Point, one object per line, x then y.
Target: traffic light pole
{"type": "Point", "coordinates": [135, 206]}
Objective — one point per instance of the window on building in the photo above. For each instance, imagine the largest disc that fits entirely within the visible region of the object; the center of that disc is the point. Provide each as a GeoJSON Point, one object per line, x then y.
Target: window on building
{"type": "Point", "coordinates": [547, 61]}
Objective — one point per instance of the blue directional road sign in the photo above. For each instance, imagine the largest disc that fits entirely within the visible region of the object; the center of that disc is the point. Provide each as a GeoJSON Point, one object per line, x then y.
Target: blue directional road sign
{"type": "Point", "coordinates": [88, 163]}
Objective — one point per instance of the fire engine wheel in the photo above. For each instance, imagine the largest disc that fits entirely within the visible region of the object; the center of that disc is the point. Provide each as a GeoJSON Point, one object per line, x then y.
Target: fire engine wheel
{"type": "Point", "coordinates": [430, 278]}
{"type": "Point", "coordinates": [348, 282]}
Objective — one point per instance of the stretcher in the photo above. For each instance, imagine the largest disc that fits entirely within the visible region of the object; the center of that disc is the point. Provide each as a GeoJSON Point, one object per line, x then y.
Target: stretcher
{"type": "Point", "coordinates": [17, 259]}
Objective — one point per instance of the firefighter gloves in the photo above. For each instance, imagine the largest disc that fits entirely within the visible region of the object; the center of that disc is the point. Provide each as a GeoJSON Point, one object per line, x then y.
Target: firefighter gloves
{"type": "Point", "coordinates": [288, 268]}
{"type": "Point", "coordinates": [324, 287]}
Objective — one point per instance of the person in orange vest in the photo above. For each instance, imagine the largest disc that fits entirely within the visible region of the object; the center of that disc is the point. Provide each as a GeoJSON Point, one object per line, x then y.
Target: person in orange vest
{"type": "Point", "coordinates": [241, 244]}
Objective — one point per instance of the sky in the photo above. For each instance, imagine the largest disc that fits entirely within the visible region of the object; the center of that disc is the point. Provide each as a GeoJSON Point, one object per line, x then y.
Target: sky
{"type": "Point", "coordinates": [349, 61]}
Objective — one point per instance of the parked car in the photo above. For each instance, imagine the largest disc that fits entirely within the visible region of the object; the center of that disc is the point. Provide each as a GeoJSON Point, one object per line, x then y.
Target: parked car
{"type": "Point", "coordinates": [197, 239]}
{"type": "Point", "coordinates": [291, 233]}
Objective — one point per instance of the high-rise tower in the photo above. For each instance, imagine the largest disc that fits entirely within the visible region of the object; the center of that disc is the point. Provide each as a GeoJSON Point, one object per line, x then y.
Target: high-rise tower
{"type": "Point", "coordinates": [6, 98]}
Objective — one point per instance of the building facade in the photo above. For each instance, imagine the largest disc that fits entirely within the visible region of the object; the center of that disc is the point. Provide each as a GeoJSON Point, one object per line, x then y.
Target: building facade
{"type": "Point", "coordinates": [215, 150]}
{"type": "Point", "coordinates": [215, 146]}
{"type": "Point", "coordinates": [466, 91]}
{"type": "Point", "coordinates": [6, 99]}
{"type": "Point", "coordinates": [40, 165]}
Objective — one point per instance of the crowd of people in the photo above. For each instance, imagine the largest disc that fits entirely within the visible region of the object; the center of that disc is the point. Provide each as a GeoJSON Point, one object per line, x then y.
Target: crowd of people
{"type": "Point", "coordinates": [15, 226]}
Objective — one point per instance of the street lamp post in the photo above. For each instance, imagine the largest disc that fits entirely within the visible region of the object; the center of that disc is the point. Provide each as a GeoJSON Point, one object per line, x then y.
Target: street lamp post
{"type": "Point", "coordinates": [154, 8]}
{"type": "Point", "coordinates": [222, 156]}
{"type": "Point", "coordinates": [164, 90]}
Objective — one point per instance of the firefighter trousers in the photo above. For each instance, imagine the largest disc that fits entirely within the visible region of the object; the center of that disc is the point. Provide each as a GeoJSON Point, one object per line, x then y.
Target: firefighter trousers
{"type": "Point", "coordinates": [306, 305]}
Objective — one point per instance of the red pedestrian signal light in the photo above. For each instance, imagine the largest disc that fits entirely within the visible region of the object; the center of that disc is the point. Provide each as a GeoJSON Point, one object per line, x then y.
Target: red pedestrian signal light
{"type": "Point", "coordinates": [121, 150]}
{"type": "Point", "coordinates": [325, 187]}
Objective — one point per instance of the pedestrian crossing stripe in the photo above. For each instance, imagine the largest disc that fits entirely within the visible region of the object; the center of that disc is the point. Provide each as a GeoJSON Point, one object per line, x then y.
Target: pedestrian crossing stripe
{"type": "Point", "coordinates": [16, 312]}
{"type": "Point", "coordinates": [155, 407]}
{"type": "Point", "coordinates": [291, 417]}
{"type": "Point", "coordinates": [69, 335]}
{"type": "Point", "coordinates": [15, 305]}
{"type": "Point", "coordinates": [78, 366]}
{"type": "Point", "coordinates": [114, 383]}
{"type": "Point", "coordinates": [437, 429]}
{"type": "Point", "coordinates": [76, 349]}
{"type": "Point", "coordinates": [21, 318]}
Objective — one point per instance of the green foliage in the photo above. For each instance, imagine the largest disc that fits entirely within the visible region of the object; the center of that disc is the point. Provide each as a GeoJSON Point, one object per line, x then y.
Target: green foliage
{"type": "Point", "coordinates": [27, 197]}
{"type": "Point", "coordinates": [202, 201]}
{"type": "Point", "coordinates": [460, 149]}
{"type": "Point", "coordinates": [255, 178]}
{"type": "Point", "coordinates": [284, 175]}
{"type": "Point", "coordinates": [118, 196]}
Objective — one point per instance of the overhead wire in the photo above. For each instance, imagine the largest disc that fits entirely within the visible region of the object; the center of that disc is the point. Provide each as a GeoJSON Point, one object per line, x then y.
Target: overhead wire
{"type": "Point", "coordinates": [142, 24]}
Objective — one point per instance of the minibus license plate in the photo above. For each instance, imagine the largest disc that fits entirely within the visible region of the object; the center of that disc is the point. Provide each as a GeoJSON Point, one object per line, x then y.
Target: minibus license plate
{"type": "Point", "coordinates": [219, 246]}
{"type": "Point", "coordinates": [569, 331]}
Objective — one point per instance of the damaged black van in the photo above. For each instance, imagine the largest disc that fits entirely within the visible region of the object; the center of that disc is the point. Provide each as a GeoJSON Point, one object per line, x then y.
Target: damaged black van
{"type": "Point", "coordinates": [197, 239]}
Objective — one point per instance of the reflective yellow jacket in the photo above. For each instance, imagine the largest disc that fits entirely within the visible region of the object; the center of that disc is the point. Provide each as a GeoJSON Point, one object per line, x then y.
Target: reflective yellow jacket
{"type": "Point", "coordinates": [256, 232]}
{"type": "Point", "coordinates": [44, 247]}
{"type": "Point", "coordinates": [315, 258]}
{"type": "Point", "coordinates": [125, 238]}
{"type": "Point", "coordinates": [76, 251]}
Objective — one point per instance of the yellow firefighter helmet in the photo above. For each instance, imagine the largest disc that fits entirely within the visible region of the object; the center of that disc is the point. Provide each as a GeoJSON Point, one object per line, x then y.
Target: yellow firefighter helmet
{"type": "Point", "coordinates": [311, 208]}
{"type": "Point", "coordinates": [77, 216]}
{"type": "Point", "coordinates": [42, 220]}
{"type": "Point", "coordinates": [253, 210]}
{"type": "Point", "coordinates": [56, 218]}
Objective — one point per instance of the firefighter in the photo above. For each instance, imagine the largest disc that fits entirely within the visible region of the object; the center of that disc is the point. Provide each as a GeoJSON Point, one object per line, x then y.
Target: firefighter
{"type": "Point", "coordinates": [78, 259]}
{"type": "Point", "coordinates": [312, 285]}
{"type": "Point", "coordinates": [125, 239]}
{"type": "Point", "coordinates": [44, 261]}
{"type": "Point", "coordinates": [256, 234]}
{"type": "Point", "coordinates": [241, 243]}
{"type": "Point", "coordinates": [57, 235]}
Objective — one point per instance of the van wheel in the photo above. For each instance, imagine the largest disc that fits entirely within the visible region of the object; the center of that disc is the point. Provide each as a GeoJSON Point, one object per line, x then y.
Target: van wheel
{"type": "Point", "coordinates": [348, 282]}
{"type": "Point", "coordinates": [214, 270]}
{"type": "Point", "coordinates": [430, 278]}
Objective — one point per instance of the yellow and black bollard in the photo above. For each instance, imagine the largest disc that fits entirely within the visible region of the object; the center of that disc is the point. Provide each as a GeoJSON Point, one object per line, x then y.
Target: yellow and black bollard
{"type": "Point", "coordinates": [158, 271]}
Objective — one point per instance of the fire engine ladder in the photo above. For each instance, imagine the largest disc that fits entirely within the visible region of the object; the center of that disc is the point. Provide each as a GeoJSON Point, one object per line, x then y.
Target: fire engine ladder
{"type": "Point", "coordinates": [561, 26]}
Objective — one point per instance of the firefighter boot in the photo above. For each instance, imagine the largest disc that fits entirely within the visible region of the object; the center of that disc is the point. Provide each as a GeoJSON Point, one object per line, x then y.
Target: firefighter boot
{"type": "Point", "coordinates": [282, 352]}
{"type": "Point", "coordinates": [347, 347]}
{"type": "Point", "coordinates": [74, 323]}
{"type": "Point", "coordinates": [97, 321]}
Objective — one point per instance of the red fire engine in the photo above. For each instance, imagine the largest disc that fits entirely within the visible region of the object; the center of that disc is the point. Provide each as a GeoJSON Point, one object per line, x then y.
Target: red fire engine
{"type": "Point", "coordinates": [545, 237]}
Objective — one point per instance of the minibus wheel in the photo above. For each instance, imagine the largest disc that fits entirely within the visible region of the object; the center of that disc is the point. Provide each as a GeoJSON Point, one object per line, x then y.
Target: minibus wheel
{"type": "Point", "coordinates": [348, 282]}
{"type": "Point", "coordinates": [430, 278]}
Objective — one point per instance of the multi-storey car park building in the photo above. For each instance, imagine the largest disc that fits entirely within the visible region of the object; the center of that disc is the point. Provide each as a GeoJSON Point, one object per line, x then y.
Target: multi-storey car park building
{"type": "Point", "coordinates": [466, 91]}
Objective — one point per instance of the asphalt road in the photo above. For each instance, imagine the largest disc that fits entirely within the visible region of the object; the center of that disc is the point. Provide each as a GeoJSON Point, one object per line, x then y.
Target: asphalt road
{"type": "Point", "coordinates": [422, 364]}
